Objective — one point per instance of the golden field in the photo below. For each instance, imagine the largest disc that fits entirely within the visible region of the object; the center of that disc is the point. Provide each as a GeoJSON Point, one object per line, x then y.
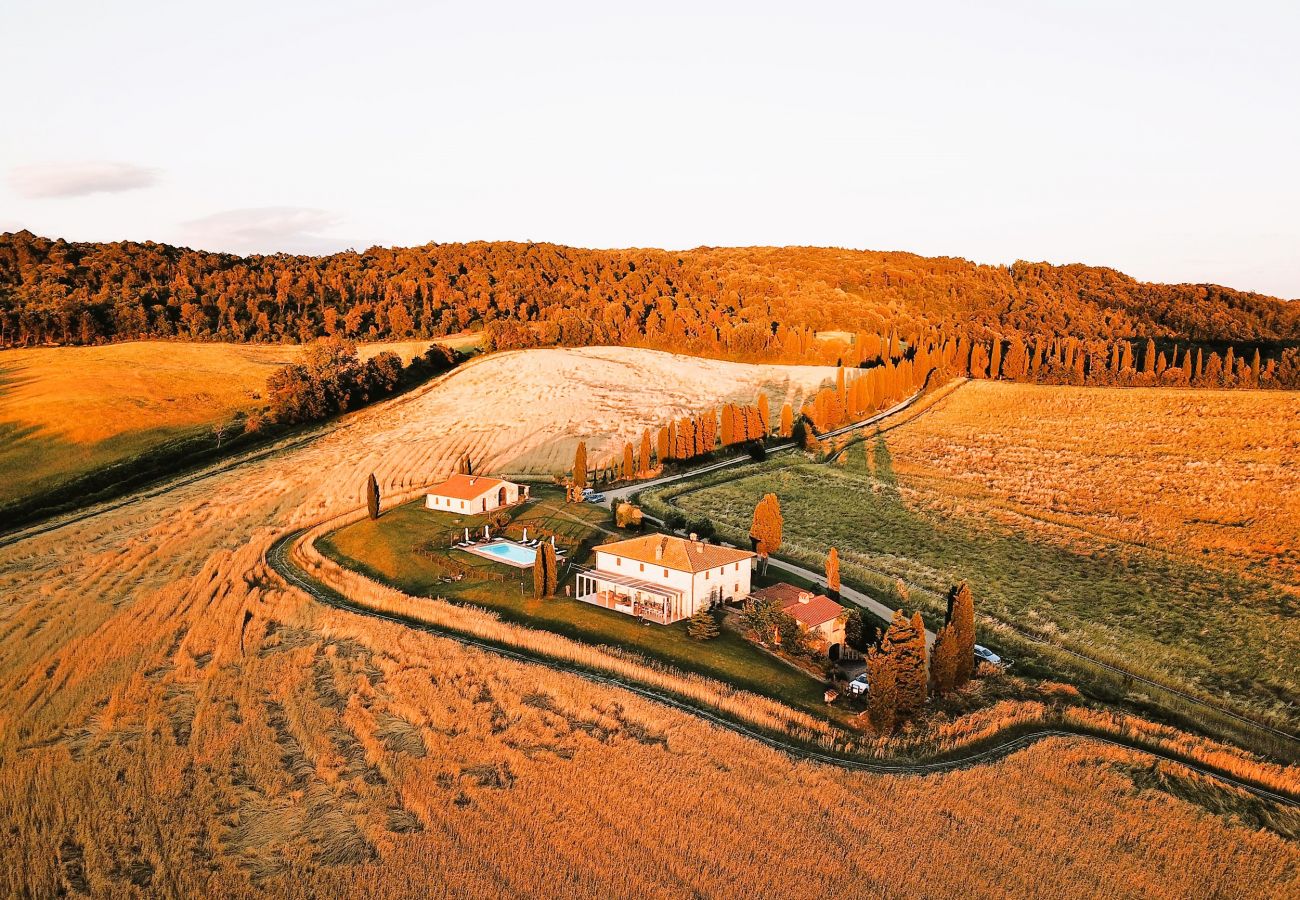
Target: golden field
{"type": "Point", "coordinates": [67, 410]}
{"type": "Point", "coordinates": [174, 722]}
{"type": "Point", "coordinates": [1211, 475]}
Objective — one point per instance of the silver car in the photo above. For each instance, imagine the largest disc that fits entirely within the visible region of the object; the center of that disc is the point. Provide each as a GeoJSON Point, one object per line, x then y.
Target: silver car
{"type": "Point", "coordinates": [984, 654]}
{"type": "Point", "coordinates": [859, 686]}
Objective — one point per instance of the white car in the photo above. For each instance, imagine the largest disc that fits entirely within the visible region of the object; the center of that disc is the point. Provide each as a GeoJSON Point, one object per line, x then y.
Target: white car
{"type": "Point", "coordinates": [859, 686]}
{"type": "Point", "coordinates": [984, 654]}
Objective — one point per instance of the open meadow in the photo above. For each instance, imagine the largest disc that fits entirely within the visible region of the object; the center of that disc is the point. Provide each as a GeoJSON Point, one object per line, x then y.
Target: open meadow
{"type": "Point", "coordinates": [175, 721]}
{"type": "Point", "coordinates": [1154, 528]}
{"type": "Point", "coordinates": [66, 411]}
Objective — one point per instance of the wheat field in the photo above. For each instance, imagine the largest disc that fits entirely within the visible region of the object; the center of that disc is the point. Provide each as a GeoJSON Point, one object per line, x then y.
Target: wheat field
{"type": "Point", "coordinates": [69, 410]}
{"type": "Point", "coordinates": [1212, 475]}
{"type": "Point", "coordinates": [176, 723]}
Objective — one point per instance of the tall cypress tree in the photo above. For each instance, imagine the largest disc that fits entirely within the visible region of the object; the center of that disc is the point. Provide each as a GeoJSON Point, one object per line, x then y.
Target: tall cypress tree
{"type": "Point", "coordinates": [579, 470]}
{"type": "Point", "coordinates": [833, 573]}
{"type": "Point", "coordinates": [372, 496]}
{"type": "Point", "coordinates": [943, 664]}
{"type": "Point", "coordinates": [882, 697]}
{"type": "Point", "coordinates": [552, 568]}
{"type": "Point", "coordinates": [645, 450]}
{"type": "Point", "coordinates": [539, 575]}
{"type": "Point", "coordinates": [904, 642]}
{"type": "Point", "coordinates": [961, 617]}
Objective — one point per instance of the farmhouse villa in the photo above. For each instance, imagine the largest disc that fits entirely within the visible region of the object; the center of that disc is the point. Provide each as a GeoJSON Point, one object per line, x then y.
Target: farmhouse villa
{"type": "Point", "coordinates": [474, 494]}
{"type": "Point", "coordinates": [664, 579]}
{"type": "Point", "coordinates": [817, 614]}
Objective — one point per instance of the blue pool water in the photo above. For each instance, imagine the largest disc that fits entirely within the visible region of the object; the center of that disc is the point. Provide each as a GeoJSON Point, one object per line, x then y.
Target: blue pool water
{"type": "Point", "coordinates": [509, 552]}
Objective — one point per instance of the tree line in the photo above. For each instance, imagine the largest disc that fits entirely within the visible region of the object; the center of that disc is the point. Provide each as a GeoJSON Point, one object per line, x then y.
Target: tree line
{"type": "Point", "coordinates": [813, 305]}
{"type": "Point", "coordinates": [332, 378]}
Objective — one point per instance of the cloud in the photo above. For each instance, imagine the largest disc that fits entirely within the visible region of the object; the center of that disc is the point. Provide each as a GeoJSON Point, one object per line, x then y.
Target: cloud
{"type": "Point", "coordinates": [266, 229]}
{"type": "Point", "coordinates": [79, 179]}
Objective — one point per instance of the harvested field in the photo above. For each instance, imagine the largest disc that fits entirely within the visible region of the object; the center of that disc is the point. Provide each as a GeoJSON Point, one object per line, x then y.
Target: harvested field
{"type": "Point", "coordinates": [175, 723]}
{"type": "Point", "coordinates": [1212, 475]}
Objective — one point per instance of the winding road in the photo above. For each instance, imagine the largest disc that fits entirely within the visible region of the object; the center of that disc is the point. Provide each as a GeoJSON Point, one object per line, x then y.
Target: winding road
{"type": "Point", "coordinates": [278, 558]}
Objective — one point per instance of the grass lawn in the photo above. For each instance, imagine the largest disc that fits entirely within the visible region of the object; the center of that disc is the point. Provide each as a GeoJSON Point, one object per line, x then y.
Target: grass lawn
{"type": "Point", "coordinates": [1228, 635]}
{"type": "Point", "coordinates": [385, 549]}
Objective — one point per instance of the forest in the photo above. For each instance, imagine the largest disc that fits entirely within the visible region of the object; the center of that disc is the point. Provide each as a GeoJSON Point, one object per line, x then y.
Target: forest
{"type": "Point", "coordinates": [792, 304]}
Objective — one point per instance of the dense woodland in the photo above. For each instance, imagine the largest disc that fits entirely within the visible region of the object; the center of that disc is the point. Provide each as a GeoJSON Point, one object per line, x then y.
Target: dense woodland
{"type": "Point", "coordinates": [743, 303]}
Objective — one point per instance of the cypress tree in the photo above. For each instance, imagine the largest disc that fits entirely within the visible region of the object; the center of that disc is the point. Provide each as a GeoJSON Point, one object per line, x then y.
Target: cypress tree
{"type": "Point", "coordinates": [765, 531]}
{"type": "Point", "coordinates": [883, 698]}
{"type": "Point", "coordinates": [579, 470]}
{"type": "Point", "coordinates": [943, 665]}
{"type": "Point", "coordinates": [904, 642]}
{"type": "Point", "coordinates": [552, 568]}
{"type": "Point", "coordinates": [787, 420]}
{"type": "Point", "coordinates": [539, 575]}
{"type": "Point", "coordinates": [645, 450]}
{"type": "Point", "coordinates": [961, 617]}
{"type": "Point", "coordinates": [372, 496]}
{"type": "Point", "coordinates": [833, 573]}
{"type": "Point", "coordinates": [629, 462]}
{"type": "Point", "coordinates": [764, 414]}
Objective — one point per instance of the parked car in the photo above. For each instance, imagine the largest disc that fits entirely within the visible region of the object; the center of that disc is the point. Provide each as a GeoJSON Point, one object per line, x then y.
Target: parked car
{"type": "Point", "coordinates": [594, 498]}
{"type": "Point", "coordinates": [984, 654]}
{"type": "Point", "coordinates": [587, 492]}
{"type": "Point", "coordinates": [859, 686]}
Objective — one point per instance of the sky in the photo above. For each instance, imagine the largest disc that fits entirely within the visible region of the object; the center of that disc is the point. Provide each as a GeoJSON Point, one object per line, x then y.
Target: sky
{"type": "Point", "coordinates": [1161, 139]}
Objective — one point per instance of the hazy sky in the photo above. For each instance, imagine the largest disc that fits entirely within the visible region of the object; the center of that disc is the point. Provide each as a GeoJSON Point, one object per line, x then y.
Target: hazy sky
{"type": "Point", "coordinates": [1159, 138]}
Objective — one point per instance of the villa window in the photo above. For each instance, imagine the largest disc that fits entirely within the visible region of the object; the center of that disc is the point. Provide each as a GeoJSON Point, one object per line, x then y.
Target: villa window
{"type": "Point", "coordinates": [642, 567]}
{"type": "Point", "coordinates": [618, 560]}
{"type": "Point", "coordinates": [706, 575]}
{"type": "Point", "coordinates": [665, 573]}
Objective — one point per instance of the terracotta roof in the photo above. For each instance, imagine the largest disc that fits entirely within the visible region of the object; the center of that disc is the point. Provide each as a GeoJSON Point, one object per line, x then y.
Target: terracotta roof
{"type": "Point", "coordinates": [466, 487]}
{"type": "Point", "coordinates": [677, 553]}
{"type": "Point", "coordinates": [806, 607]}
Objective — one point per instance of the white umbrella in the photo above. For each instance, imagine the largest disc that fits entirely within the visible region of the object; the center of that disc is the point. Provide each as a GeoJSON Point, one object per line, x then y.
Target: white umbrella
{"type": "Point", "coordinates": [525, 535]}
{"type": "Point", "coordinates": [552, 540]}
{"type": "Point", "coordinates": [486, 534]}
{"type": "Point", "coordinates": [467, 535]}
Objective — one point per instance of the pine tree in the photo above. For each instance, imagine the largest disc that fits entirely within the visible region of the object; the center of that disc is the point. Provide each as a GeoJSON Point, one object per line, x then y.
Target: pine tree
{"type": "Point", "coordinates": [961, 618]}
{"type": "Point", "coordinates": [766, 528]}
{"type": "Point", "coordinates": [703, 626]}
{"type": "Point", "coordinates": [579, 470]}
{"type": "Point", "coordinates": [833, 573]}
{"type": "Point", "coordinates": [372, 496]}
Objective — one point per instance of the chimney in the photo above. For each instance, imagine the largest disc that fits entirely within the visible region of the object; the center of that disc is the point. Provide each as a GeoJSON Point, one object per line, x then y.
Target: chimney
{"type": "Point", "coordinates": [659, 550]}
{"type": "Point", "coordinates": [699, 546]}
{"type": "Point", "coordinates": [805, 597]}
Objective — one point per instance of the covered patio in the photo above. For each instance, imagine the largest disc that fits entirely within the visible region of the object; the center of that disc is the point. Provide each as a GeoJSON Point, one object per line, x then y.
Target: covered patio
{"type": "Point", "coordinates": [632, 596]}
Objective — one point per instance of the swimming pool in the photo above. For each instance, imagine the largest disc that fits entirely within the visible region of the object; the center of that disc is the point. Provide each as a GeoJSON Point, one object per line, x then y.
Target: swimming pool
{"type": "Point", "coordinates": [508, 552]}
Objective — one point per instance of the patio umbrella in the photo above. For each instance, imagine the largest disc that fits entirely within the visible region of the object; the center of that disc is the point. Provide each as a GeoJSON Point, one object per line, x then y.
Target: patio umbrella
{"type": "Point", "coordinates": [486, 534]}
{"type": "Point", "coordinates": [467, 535]}
{"type": "Point", "coordinates": [552, 540]}
{"type": "Point", "coordinates": [525, 535]}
